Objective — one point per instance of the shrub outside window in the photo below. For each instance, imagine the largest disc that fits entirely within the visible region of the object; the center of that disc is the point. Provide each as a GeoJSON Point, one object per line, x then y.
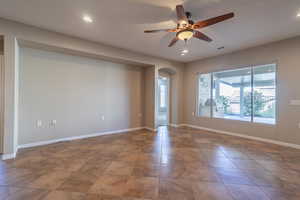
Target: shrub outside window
{"type": "Point", "coordinates": [246, 94]}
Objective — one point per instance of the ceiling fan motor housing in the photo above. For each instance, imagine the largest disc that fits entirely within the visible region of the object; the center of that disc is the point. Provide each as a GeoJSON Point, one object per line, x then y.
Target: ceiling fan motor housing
{"type": "Point", "coordinates": [188, 15]}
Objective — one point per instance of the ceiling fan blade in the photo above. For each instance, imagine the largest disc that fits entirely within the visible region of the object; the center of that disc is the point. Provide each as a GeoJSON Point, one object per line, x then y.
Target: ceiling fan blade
{"type": "Point", "coordinates": [160, 30]}
{"type": "Point", "coordinates": [180, 13]}
{"type": "Point", "coordinates": [201, 36]}
{"type": "Point", "coordinates": [212, 21]}
{"type": "Point", "coordinates": [173, 41]}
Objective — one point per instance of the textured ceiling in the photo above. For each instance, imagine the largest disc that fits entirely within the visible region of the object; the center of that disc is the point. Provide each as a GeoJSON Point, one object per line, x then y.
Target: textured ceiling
{"type": "Point", "coordinates": [120, 23]}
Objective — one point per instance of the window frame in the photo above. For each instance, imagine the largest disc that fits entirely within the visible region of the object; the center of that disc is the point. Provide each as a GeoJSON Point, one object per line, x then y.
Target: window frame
{"type": "Point", "coordinates": [197, 98]}
{"type": "Point", "coordinates": [211, 73]}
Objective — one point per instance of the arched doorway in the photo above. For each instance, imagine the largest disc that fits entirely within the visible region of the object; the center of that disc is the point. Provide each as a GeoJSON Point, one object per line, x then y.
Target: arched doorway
{"type": "Point", "coordinates": [164, 101]}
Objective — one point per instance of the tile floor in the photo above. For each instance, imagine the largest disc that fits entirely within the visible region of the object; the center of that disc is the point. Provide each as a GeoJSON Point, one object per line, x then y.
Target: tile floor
{"type": "Point", "coordinates": [172, 164]}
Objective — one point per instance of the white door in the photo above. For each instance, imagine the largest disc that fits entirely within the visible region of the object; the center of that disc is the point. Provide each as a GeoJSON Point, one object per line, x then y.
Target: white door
{"type": "Point", "coordinates": [1, 101]}
{"type": "Point", "coordinates": [163, 100]}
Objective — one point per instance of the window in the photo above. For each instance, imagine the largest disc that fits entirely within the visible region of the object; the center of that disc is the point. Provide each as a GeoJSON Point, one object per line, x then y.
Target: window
{"type": "Point", "coordinates": [204, 97]}
{"type": "Point", "coordinates": [246, 94]}
{"type": "Point", "coordinates": [230, 90]}
{"type": "Point", "coordinates": [264, 94]}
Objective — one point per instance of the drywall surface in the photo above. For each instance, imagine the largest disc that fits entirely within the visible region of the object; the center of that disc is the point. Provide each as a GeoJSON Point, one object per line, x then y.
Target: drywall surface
{"type": "Point", "coordinates": [83, 96]}
{"type": "Point", "coordinates": [149, 106]}
{"type": "Point", "coordinates": [1, 45]}
{"type": "Point", "coordinates": [1, 101]}
{"type": "Point", "coordinates": [17, 33]}
{"type": "Point", "coordinates": [286, 55]}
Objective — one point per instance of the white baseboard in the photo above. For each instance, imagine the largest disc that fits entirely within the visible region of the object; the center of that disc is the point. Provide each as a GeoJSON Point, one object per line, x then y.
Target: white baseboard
{"type": "Point", "coordinates": [150, 129]}
{"type": "Point", "coordinates": [13, 155]}
{"type": "Point", "coordinates": [177, 125]}
{"type": "Point", "coordinates": [296, 146]}
{"type": "Point", "coordinates": [78, 137]}
{"type": "Point", "coordinates": [174, 125]}
{"type": "Point", "coordinates": [8, 156]}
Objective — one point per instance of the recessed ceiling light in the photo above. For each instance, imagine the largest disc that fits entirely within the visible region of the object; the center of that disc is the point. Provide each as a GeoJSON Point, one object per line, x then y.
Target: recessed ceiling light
{"type": "Point", "coordinates": [185, 51]}
{"type": "Point", "coordinates": [87, 18]}
{"type": "Point", "coordinates": [182, 54]}
{"type": "Point", "coordinates": [298, 15]}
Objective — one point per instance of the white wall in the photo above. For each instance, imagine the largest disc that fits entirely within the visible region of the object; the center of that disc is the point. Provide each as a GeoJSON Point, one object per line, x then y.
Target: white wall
{"type": "Point", "coordinates": [76, 91]}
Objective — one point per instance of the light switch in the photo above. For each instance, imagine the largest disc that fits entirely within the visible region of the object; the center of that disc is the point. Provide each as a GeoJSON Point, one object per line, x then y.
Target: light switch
{"type": "Point", "coordinates": [39, 123]}
{"type": "Point", "coordinates": [295, 102]}
{"type": "Point", "coordinates": [53, 122]}
{"type": "Point", "coordinates": [102, 117]}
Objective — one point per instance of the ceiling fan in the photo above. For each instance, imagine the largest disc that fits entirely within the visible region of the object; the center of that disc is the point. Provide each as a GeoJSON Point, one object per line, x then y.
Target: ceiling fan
{"type": "Point", "coordinates": [186, 28]}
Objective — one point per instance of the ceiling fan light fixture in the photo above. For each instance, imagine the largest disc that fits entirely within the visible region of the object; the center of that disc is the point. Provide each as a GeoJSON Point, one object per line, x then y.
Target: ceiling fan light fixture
{"type": "Point", "coordinates": [187, 28]}
{"type": "Point", "coordinates": [87, 18]}
{"type": "Point", "coordinates": [185, 51]}
{"type": "Point", "coordinates": [185, 34]}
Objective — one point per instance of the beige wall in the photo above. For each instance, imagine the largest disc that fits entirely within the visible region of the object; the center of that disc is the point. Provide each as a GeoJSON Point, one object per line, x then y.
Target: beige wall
{"type": "Point", "coordinates": [176, 93]}
{"type": "Point", "coordinates": [17, 33]}
{"type": "Point", "coordinates": [10, 96]}
{"type": "Point", "coordinates": [1, 100]}
{"type": "Point", "coordinates": [76, 92]}
{"type": "Point", "coordinates": [287, 56]}
{"type": "Point", "coordinates": [30, 35]}
{"type": "Point", "coordinates": [1, 92]}
{"type": "Point", "coordinates": [149, 105]}
{"type": "Point", "coordinates": [183, 91]}
{"type": "Point", "coordinates": [1, 45]}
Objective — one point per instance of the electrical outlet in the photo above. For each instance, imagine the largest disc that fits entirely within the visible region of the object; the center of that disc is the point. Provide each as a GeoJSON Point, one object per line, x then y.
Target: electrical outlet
{"type": "Point", "coordinates": [53, 123]}
{"type": "Point", "coordinates": [39, 123]}
{"type": "Point", "coordinates": [295, 102]}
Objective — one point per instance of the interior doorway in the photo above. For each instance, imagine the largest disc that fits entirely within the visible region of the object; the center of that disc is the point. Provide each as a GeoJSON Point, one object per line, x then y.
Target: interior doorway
{"type": "Point", "coordinates": [163, 100]}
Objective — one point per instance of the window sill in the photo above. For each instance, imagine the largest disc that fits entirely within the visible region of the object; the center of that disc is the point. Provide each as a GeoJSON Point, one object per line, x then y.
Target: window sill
{"type": "Point", "coordinates": [243, 121]}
